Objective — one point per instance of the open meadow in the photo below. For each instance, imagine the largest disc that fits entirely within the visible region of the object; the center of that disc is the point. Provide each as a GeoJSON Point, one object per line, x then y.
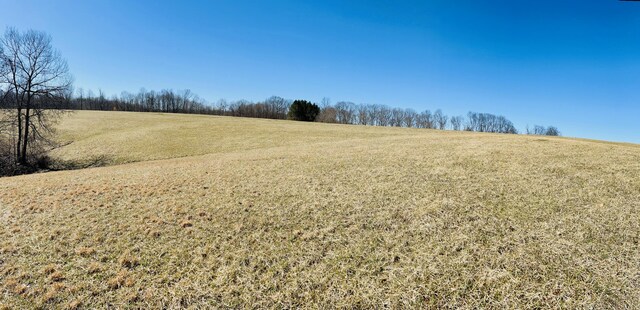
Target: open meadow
{"type": "Point", "coordinates": [205, 211]}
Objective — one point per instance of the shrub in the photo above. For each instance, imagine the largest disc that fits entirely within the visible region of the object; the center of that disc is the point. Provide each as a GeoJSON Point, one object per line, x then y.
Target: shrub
{"type": "Point", "coordinates": [37, 160]}
{"type": "Point", "coordinates": [7, 162]}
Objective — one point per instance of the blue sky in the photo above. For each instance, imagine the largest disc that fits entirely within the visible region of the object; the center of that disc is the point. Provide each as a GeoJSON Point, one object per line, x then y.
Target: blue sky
{"type": "Point", "coordinates": [572, 64]}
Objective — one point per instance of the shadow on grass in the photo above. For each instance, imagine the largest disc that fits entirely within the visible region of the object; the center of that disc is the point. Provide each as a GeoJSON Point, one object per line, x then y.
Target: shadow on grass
{"type": "Point", "coordinates": [96, 161]}
{"type": "Point", "coordinates": [45, 163]}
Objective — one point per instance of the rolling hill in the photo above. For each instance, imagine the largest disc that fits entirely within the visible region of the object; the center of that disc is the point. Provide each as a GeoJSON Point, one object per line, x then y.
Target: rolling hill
{"type": "Point", "coordinates": [204, 211]}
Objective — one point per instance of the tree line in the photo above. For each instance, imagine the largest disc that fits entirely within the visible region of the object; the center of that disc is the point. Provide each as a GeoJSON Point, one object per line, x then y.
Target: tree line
{"type": "Point", "coordinates": [275, 107]}
{"type": "Point", "coordinates": [542, 130]}
{"type": "Point", "coordinates": [170, 101]}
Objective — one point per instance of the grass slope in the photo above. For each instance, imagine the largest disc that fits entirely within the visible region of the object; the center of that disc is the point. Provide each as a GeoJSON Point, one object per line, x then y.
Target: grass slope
{"type": "Point", "coordinates": [285, 214]}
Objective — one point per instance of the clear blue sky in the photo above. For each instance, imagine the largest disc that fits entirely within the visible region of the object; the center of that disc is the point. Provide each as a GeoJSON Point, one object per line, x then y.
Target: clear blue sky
{"type": "Point", "coordinates": [573, 64]}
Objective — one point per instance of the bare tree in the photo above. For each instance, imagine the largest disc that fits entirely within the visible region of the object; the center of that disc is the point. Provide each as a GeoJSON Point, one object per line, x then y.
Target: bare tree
{"type": "Point", "coordinates": [80, 97]}
{"type": "Point", "coordinates": [362, 114]}
{"type": "Point", "coordinates": [409, 118]}
{"type": "Point", "coordinates": [101, 100]}
{"type": "Point", "coordinates": [425, 120]}
{"type": "Point", "coordinates": [552, 131]}
{"type": "Point", "coordinates": [485, 122]}
{"type": "Point", "coordinates": [4, 71]}
{"type": "Point", "coordinates": [383, 114]}
{"type": "Point", "coordinates": [38, 77]}
{"type": "Point", "coordinates": [345, 112]}
{"type": "Point", "coordinates": [539, 130]}
{"type": "Point", "coordinates": [280, 106]}
{"type": "Point", "coordinates": [456, 122]}
{"type": "Point", "coordinates": [325, 102]}
{"type": "Point", "coordinates": [440, 119]}
{"type": "Point", "coordinates": [327, 115]}
{"type": "Point", "coordinates": [373, 115]}
{"type": "Point", "coordinates": [543, 131]}
{"type": "Point", "coordinates": [397, 115]}
{"type": "Point", "coordinates": [185, 97]}
{"type": "Point", "coordinates": [5, 119]}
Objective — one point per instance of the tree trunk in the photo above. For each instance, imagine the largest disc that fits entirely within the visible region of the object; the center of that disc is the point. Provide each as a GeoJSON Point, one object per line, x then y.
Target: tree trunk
{"type": "Point", "coordinates": [19, 140]}
{"type": "Point", "coordinates": [23, 158]}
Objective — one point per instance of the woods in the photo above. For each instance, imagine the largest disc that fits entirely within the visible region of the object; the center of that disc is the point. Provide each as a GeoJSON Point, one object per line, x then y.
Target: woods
{"type": "Point", "coordinates": [275, 107]}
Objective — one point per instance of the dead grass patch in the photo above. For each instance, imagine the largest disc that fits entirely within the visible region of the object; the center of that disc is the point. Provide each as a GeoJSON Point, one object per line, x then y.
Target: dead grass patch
{"type": "Point", "coordinates": [94, 268]}
{"type": "Point", "coordinates": [127, 260]}
{"type": "Point", "coordinates": [74, 304]}
{"type": "Point", "coordinates": [123, 278]}
{"type": "Point", "coordinates": [290, 215]}
{"type": "Point", "coordinates": [56, 276]}
{"type": "Point", "coordinates": [85, 251]}
{"type": "Point", "coordinates": [49, 269]}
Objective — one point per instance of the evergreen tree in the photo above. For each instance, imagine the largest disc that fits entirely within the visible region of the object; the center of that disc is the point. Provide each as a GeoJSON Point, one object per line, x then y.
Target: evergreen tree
{"type": "Point", "coordinates": [302, 110]}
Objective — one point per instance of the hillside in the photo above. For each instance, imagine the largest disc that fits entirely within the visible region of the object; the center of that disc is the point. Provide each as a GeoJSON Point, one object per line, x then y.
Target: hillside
{"type": "Point", "coordinates": [246, 213]}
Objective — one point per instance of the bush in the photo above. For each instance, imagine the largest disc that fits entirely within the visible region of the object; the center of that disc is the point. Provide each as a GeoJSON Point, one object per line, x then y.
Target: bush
{"type": "Point", "coordinates": [7, 162]}
{"type": "Point", "coordinates": [37, 160]}
{"type": "Point", "coordinates": [302, 110]}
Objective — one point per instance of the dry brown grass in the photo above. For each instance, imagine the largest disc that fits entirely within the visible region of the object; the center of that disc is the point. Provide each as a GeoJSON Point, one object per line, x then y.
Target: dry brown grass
{"type": "Point", "coordinates": [124, 137]}
{"type": "Point", "coordinates": [354, 217]}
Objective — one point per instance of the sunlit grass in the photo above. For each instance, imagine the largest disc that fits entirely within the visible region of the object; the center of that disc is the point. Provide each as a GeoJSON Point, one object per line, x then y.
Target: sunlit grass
{"type": "Point", "coordinates": [286, 214]}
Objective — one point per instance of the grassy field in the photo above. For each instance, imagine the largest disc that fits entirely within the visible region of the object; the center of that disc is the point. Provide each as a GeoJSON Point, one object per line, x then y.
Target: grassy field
{"type": "Point", "coordinates": [246, 213]}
